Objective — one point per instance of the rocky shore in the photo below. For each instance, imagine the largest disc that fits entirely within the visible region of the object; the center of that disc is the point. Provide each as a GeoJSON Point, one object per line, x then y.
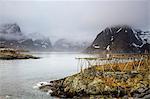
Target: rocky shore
{"type": "Point", "coordinates": [111, 83]}
{"type": "Point", "coordinates": [9, 54]}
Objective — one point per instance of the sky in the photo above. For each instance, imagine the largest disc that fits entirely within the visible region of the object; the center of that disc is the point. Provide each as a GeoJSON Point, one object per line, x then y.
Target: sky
{"type": "Point", "coordinates": [79, 20]}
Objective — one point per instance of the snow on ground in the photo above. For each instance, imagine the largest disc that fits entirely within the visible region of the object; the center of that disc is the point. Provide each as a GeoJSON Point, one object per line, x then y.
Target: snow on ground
{"type": "Point", "coordinates": [119, 30]}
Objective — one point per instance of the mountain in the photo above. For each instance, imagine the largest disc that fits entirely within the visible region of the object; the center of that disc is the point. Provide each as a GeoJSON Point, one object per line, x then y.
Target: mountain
{"type": "Point", "coordinates": [118, 39]}
{"type": "Point", "coordinates": [11, 36]}
{"type": "Point", "coordinates": [68, 45]}
{"type": "Point", "coordinates": [10, 28]}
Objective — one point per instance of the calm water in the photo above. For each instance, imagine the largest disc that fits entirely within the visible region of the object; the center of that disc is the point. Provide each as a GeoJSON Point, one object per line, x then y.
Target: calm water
{"type": "Point", "coordinates": [17, 77]}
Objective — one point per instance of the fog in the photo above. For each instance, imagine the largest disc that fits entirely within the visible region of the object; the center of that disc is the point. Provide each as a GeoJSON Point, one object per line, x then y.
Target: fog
{"type": "Point", "coordinates": [74, 20]}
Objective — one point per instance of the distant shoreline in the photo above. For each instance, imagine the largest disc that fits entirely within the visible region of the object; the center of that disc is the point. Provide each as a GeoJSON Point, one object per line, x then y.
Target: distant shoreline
{"type": "Point", "coordinates": [11, 54]}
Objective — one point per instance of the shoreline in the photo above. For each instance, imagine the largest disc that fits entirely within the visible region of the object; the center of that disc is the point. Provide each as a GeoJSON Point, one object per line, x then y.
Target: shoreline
{"type": "Point", "coordinates": [12, 54]}
{"type": "Point", "coordinates": [94, 81]}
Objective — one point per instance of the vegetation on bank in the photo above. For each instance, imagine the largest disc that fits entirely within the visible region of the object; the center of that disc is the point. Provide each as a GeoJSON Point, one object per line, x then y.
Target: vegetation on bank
{"type": "Point", "coordinates": [112, 80]}
{"type": "Point", "coordinates": [9, 54]}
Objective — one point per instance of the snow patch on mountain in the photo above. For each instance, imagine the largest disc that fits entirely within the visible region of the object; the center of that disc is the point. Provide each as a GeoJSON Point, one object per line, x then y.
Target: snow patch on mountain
{"type": "Point", "coordinates": [145, 35]}
{"type": "Point", "coordinates": [119, 30]}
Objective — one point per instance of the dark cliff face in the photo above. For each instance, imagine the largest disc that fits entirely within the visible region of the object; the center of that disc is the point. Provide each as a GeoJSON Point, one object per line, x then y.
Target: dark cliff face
{"type": "Point", "coordinates": [11, 36]}
{"type": "Point", "coordinates": [118, 39]}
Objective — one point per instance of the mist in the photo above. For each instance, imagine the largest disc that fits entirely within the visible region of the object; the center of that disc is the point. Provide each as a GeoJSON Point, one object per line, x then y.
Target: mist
{"type": "Point", "coordinates": [74, 20]}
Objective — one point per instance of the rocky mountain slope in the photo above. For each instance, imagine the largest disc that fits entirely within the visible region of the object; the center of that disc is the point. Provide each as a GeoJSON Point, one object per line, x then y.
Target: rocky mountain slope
{"type": "Point", "coordinates": [119, 39]}
{"type": "Point", "coordinates": [11, 36]}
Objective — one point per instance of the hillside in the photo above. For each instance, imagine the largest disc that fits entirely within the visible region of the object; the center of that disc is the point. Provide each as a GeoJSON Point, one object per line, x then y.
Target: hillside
{"type": "Point", "coordinates": [11, 36]}
{"type": "Point", "coordinates": [119, 39]}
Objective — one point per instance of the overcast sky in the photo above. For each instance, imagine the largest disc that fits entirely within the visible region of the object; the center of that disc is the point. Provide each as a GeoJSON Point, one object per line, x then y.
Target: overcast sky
{"type": "Point", "coordinates": [74, 19]}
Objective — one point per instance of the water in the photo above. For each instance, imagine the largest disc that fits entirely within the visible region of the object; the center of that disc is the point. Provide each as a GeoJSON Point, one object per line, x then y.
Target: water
{"type": "Point", "coordinates": [17, 77]}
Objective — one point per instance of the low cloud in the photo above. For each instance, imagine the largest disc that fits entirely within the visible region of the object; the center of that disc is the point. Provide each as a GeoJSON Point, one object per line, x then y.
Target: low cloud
{"type": "Point", "coordinates": [75, 20]}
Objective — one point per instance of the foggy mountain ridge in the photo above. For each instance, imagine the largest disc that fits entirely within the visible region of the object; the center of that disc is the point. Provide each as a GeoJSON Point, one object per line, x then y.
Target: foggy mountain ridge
{"type": "Point", "coordinates": [12, 36]}
{"type": "Point", "coordinates": [10, 28]}
{"type": "Point", "coordinates": [120, 39]}
{"type": "Point", "coordinates": [69, 45]}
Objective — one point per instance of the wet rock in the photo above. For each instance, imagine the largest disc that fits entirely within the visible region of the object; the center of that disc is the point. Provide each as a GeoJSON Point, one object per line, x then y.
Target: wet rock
{"type": "Point", "coordinates": [95, 87]}
{"type": "Point", "coordinates": [45, 88]}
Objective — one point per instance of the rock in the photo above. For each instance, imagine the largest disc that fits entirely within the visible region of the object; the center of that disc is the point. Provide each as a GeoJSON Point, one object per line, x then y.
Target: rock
{"type": "Point", "coordinates": [96, 87]}
{"type": "Point", "coordinates": [45, 88]}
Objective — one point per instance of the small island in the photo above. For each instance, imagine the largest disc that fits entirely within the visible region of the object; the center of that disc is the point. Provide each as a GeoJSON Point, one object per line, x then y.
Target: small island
{"type": "Point", "coordinates": [10, 54]}
{"type": "Point", "coordinates": [124, 76]}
